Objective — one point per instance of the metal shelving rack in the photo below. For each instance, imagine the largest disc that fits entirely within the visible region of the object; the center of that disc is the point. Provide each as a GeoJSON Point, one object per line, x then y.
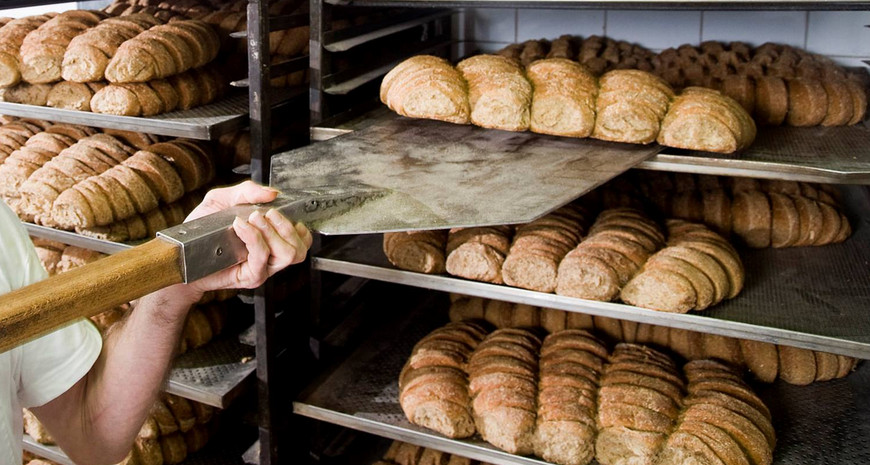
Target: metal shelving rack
{"type": "Point", "coordinates": [360, 391]}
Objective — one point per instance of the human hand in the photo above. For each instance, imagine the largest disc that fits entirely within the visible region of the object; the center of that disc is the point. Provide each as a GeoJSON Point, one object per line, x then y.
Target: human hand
{"type": "Point", "coordinates": [272, 240]}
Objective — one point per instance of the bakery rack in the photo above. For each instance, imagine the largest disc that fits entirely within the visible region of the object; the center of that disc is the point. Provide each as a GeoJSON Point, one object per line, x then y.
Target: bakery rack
{"type": "Point", "coordinates": [362, 394]}
{"type": "Point", "coordinates": [790, 298]}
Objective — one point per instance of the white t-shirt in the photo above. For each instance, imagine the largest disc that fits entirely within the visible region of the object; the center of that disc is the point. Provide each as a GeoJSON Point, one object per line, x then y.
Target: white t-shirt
{"type": "Point", "coordinates": [37, 372]}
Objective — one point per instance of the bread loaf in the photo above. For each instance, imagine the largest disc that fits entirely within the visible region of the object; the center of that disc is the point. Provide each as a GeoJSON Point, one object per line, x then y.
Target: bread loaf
{"type": "Point", "coordinates": [503, 376]}
{"type": "Point", "coordinates": [88, 54]}
{"type": "Point", "coordinates": [42, 49]}
{"type": "Point", "coordinates": [12, 35]}
{"type": "Point", "coordinates": [619, 243]}
{"type": "Point", "coordinates": [73, 95]}
{"type": "Point", "coordinates": [196, 87]}
{"type": "Point", "coordinates": [433, 385]}
{"type": "Point", "coordinates": [498, 93]}
{"type": "Point", "coordinates": [427, 87]}
{"type": "Point", "coordinates": [539, 246]}
{"type": "Point", "coordinates": [630, 107]}
{"type": "Point", "coordinates": [478, 253]}
{"type": "Point", "coordinates": [420, 251]}
{"type": "Point", "coordinates": [563, 102]}
{"type": "Point", "coordinates": [704, 119]}
{"type": "Point", "coordinates": [760, 358]}
{"type": "Point", "coordinates": [163, 51]}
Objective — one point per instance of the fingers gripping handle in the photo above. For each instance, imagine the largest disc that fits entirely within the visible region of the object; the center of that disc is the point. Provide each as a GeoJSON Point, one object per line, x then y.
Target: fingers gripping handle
{"type": "Point", "coordinates": [86, 291]}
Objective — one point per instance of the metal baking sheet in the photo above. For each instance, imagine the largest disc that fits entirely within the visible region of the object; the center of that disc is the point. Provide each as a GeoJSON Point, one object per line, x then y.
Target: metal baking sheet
{"type": "Point", "coordinates": [622, 4]}
{"type": "Point", "coordinates": [821, 423]}
{"type": "Point", "coordinates": [816, 154]}
{"type": "Point", "coordinates": [829, 155]}
{"type": "Point", "coordinates": [811, 297]}
{"type": "Point", "coordinates": [205, 122]}
{"type": "Point", "coordinates": [213, 374]}
{"type": "Point", "coordinates": [443, 175]}
{"type": "Point", "coordinates": [214, 453]}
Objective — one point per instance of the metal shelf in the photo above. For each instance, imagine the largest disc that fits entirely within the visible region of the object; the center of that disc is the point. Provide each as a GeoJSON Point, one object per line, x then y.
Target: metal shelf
{"type": "Point", "coordinates": [620, 4]}
{"type": "Point", "coordinates": [71, 238]}
{"type": "Point", "coordinates": [206, 122]}
{"type": "Point", "coordinates": [839, 155]}
{"type": "Point", "coordinates": [213, 374]}
{"type": "Point", "coordinates": [346, 39]}
{"type": "Point", "coordinates": [811, 297]}
{"type": "Point", "coordinates": [820, 423]}
{"type": "Point", "coordinates": [214, 453]}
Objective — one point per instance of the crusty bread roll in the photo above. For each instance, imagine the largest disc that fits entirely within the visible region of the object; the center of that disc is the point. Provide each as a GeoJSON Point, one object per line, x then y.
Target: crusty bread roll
{"type": "Point", "coordinates": [73, 95]}
{"type": "Point", "coordinates": [499, 94]}
{"type": "Point", "coordinates": [42, 49]}
{"type": "Point", "coordinates": [88, 54]}
{"type": "Point", "coordinates": [433, 385]}
{"type": "Point", "coordinates": [426, 86]}
{"type": "Point", "coordinates": [563, 102]}
{"type": "Point", "coordinates": [539, 246]}
{"type": "Point", "coordinates": [618, 244]}
{"type": "Point", "coordinates": [420, 251]}
{"type": "Point", "coordinates": [630, 106]}
{"type": "Point", "coordinates": [503, 376]}
{"type": "Point", "coordinates": [12, 35]}
{"type": "Point", "coordinates": [478, 253]}
{"type": "Point", "coordinates": [703, 119]}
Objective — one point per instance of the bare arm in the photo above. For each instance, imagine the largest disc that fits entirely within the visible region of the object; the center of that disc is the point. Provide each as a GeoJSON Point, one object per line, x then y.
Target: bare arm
{"type": "Point", "coordinates": [97, 419]}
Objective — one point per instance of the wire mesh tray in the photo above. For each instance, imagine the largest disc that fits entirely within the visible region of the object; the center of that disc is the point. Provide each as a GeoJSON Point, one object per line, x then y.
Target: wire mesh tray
{"type": "Point", "coordinates": [822, 423]}
{"type": "Point", "coordinates": [829, 155]}
{"type": "Point", "coordinates": [205, 122]}
{"type": "Point", "coordinates": [811, 297]}
{"type": "Point", "coordinates": [213, 374]}
{"type": "Point", "coordinates": [214, 453]}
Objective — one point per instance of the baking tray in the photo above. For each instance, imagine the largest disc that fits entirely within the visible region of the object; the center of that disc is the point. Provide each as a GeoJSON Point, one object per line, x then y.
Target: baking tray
{"type": "Point", "coordinates": [206, 122]}
{"type": "Point", "coordinates": [622, 4]}
{"type": "Point", "coordinates": [213, 374]}
{"type": "Point", "coordinates": [214, 453]}
{"type": "Point", "coordinates": [838, 155]}
{"type": "Point", "coordinates": [811, 297]}
{"type": "Point", "coordinates": [825, 422]}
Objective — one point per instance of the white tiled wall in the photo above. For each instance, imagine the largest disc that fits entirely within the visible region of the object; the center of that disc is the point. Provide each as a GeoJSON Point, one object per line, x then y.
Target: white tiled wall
{"type": "Point", "coordinates": [841, 35]}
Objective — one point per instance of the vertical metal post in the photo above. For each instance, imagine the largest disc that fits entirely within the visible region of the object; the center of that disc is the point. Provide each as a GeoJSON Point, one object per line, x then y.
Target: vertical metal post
{"type": "Point", "coordinates": [264, 314]}
{"type": "Point", "coordinates": [260, 101]}
{"type": "Point", "coordinates": [316, 63]}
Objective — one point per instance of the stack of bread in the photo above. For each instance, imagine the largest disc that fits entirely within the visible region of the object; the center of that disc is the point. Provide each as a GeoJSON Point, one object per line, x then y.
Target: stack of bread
{"type": "Point", "coordinates": [403, 453]}
{"type": "Point", "coordinates": [100, 185]}
{"type": "Point", "coordinates": [175, 428]}
{"type": "Point", "coordinates": [625, 254]}
{"type": "Point", "coordinates": [566, 399]}
{"type": "Point", "coordinates": [433, 384]}
{"type": "Point", "coordinates": [151, 66]}
{"type": "Point", "coordinates": [767, 362]}
{"type": "Point", "coordinates": [618, 244]}
{"type": "Point", "coordinates": [626, 105]}
{"type": "Point", "coordinates": [762, 213]}
{"type": "Point", "coordinates": [777, 84]}
{"type": "Point", "coordinates": [596, 53]}
{"type": "Point", "coordinates": [698, 268]}
{"type": "Point", "coordinates": [538, 247]}
{"type": "Point", "coordinates": [14, 134]}
{"type": "Point", "coordinates": [417, 250]}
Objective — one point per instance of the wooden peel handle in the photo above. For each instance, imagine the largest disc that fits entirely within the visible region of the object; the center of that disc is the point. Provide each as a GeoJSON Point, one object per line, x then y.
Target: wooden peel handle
{"type": "Point", "coordinates": [86, 291]}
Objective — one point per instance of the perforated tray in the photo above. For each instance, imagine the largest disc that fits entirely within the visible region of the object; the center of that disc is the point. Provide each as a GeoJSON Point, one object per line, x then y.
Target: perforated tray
{"type": "Point", "coordinates": [829, 155]}
{"type": "Point", "coordinates": [811, 297]}
{"type": "Point", "coordinates": [214, 453]}
{"type": "Point", "coordinates": [822, 423]}
{"type": "Point", "coordinates": [215, 373]}
{"type": "Point", "coordinates": [205, 122]}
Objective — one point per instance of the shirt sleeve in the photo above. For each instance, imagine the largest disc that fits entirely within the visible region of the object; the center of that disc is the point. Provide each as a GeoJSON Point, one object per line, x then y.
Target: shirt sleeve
{"type": "Point", "coordinates": [51, 364]}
